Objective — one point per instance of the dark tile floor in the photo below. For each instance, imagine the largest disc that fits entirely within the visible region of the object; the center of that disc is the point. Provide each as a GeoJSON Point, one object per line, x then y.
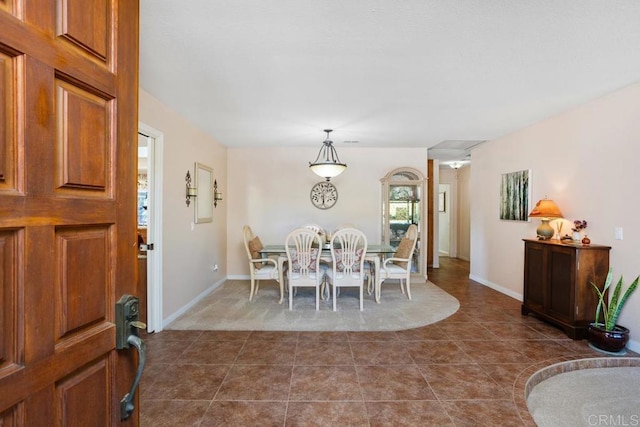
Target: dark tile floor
{"type": "Point", "coordinates": [467, 370]}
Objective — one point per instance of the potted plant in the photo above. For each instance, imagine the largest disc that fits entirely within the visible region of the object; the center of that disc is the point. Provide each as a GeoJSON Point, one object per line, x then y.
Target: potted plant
{"type": "Point", "coordinates": [607, 335]}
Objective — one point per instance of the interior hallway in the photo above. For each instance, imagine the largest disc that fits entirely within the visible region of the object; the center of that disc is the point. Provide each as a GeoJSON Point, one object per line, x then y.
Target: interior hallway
{"type": "Point", "coordinates": [469, 369]}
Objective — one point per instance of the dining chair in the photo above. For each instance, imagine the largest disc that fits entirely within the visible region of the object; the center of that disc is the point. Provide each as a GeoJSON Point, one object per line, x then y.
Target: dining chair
{"type": "Point", "coordinates": [260, 268]}
{"type": "Point", "coordinates": [315, 227]}
{"type": "Point", "coordinates": [348, 250]}
{"type": "Point", "coordinates": [340, 227]}
{"type": "Point", "coordinates": [303, 247]}
{"type": "Point", "coordinates": [399, 265]}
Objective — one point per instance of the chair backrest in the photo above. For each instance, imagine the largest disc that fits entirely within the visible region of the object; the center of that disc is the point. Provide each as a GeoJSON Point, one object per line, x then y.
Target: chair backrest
{"type": "Point", "coordinates": [412, 232]}
{"type": "Point", "coordinates": [303, 247]}
{"type": "Point", "coordinates": [314, 227]}
{"type": "Point", "coordinates": [252, 245]}
{"type": "Point", "coordinates": [348, 250]}
{"type": "Point", "coordinates": [247, 236]}
{"type": "Point", "coordinates": [407, 246]}
{"type": "Point", "coordinates": [318, 230]}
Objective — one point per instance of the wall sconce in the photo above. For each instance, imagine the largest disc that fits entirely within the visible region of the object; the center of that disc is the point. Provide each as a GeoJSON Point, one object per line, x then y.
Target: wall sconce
{"type": "Point", "coordinates": [217, 197]}
{"type": "Point", "coordinates": [190, 191]}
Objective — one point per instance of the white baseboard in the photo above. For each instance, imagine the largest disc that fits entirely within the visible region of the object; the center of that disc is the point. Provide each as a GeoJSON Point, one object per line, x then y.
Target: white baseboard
{"type": "Point", "coordinates": [239, 277]}
{"type": "Point", "coordinates": [192, 303]}
{"type": "Point", "coordinates": [495, 287]}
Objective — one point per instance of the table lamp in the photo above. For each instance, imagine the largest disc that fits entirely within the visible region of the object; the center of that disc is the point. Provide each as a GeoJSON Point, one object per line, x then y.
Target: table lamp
{"type": "Point", "coordinates": [545, 209]}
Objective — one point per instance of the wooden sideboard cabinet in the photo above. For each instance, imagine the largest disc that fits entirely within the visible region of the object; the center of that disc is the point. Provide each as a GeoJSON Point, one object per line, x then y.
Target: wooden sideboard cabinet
{"type": "Point", "coordinates": [557, 282]}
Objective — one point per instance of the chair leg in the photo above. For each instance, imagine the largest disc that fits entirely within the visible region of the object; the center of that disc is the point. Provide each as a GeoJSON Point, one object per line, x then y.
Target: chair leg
{"type": "Point", "coordinates": [253, 284]}
{"type": "Point", "coordinates": [409, 288]}
{"type": "Point", "coordinates": [402, 286]}
{"type": "Point", "coordinates": [361, 297]}
{"type": "Point", "coordinates": [324, 288]}
{"type": "Point", "coordinates": [335, 291]}
{"type": "Point", "coordinates": [290, 296]}
{"type": "Point", "coordinates": [317, 298]}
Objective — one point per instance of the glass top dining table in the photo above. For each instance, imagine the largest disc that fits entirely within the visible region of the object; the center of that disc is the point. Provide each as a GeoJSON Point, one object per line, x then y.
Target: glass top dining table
{"type": "Point", "coordinates": [371, 249]}
{"type": "Point", "coordinates": [373, 255]}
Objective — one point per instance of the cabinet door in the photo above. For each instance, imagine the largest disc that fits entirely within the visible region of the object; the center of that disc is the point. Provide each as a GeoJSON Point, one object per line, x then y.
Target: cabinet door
{"type": "Point", "coordinates": [592, 267]}
{"type": "Point", "coordinates": [535, 280]}
{"type": "Point", "coordinates": [561, 265]}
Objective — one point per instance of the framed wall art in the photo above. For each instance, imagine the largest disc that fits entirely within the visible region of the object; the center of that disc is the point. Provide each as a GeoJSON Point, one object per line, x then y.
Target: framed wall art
{"type": "Point", "coordinates": [514, 196]}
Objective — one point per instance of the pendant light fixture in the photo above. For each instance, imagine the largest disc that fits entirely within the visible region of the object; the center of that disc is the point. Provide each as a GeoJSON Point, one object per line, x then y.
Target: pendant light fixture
{"type": "Point", "coordinates": [327, 164]}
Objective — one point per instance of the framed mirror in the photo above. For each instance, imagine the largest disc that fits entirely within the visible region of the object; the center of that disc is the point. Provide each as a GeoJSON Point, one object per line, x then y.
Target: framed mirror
{"type": "Point", "coordinates": [204, 201]}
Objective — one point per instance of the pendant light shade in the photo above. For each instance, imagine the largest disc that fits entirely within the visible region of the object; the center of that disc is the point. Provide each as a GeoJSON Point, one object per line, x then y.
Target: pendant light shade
{"type": "Point", "coordinates": [327, 164]}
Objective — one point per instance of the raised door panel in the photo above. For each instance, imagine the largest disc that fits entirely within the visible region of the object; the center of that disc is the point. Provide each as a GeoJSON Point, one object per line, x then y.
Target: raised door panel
{"type": "Point", "coordinates": [535, 276]}
{"type": "Point", "coordinates": [94, 39]}
{"type": "Point", "coordinates": [13, 416]}
{"type": "Point", "coordinates": [83, 140]}
{"type": "Point", "coordinates": [5, 106]}
{"type": "Point", "coordinates": [593, 265]}
{"type": "Point", "coordinates": [561, 279]}
{"type": "Point", "coordinates": [84, 283]}
{"type": "Point", "coordinates": [83, 396]}
{"type": "Point", "coordinates": [10, 323]}
{"type": "Point", "coordinates": [8, 94]}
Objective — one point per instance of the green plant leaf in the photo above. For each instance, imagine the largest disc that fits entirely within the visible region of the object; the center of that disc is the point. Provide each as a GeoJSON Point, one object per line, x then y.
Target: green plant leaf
{"type": "Point", "coordinates": [617, 308]}
{"type": "Point", "coordinates": [608, 280]}
{"type": "Point", "coordinates": [613, 305]}
{"type": "Point", "coordinates": [616, 293]}
{"type": "Point", "coordinates": [600, 295]}
{"type": "Point", "coordinates": [602, 304]}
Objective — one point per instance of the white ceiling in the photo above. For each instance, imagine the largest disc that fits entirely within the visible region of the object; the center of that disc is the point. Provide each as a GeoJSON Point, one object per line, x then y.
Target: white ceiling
{"type": "Point", "coordinates": [405, 73]}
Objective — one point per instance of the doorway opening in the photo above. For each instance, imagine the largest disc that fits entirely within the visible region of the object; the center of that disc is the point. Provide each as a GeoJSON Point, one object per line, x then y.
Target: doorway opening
{"type": "Point", "coordinates": [150, 150]}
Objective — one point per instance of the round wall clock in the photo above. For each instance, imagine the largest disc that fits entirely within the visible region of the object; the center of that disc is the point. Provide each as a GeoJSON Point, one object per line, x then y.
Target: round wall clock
{"type": "Point", "coordinates": [324, 195]}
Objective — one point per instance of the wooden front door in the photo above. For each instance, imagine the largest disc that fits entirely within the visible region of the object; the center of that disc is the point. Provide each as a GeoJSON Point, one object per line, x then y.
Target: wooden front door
{"type": "Point", "coordinates": [68, 124]}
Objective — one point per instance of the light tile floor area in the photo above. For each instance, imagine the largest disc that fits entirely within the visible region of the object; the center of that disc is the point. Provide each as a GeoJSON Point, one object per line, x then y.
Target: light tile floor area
{"type": "Point", "coordinates": [469, 369]}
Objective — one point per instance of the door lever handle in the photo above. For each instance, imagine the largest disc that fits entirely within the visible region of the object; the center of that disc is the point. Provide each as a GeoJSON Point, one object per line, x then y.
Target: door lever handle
{"type": "Point", "coordinates": [126, 404]}
{"type": "Point", "coordinates": [137, 324]}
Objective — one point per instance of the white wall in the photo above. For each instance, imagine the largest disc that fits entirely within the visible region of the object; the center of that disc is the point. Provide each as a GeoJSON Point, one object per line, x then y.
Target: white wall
{"type": "Point", "coordinates": [458, 206]}
{"type": "Point", "coordinates": [585, 160]}
{"type": "Point", "coordinates": [268, 188]}
{"type": "Point", "coordinates": [188, 250]}
{"type": "Point", "coordinates": [463, 241]}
